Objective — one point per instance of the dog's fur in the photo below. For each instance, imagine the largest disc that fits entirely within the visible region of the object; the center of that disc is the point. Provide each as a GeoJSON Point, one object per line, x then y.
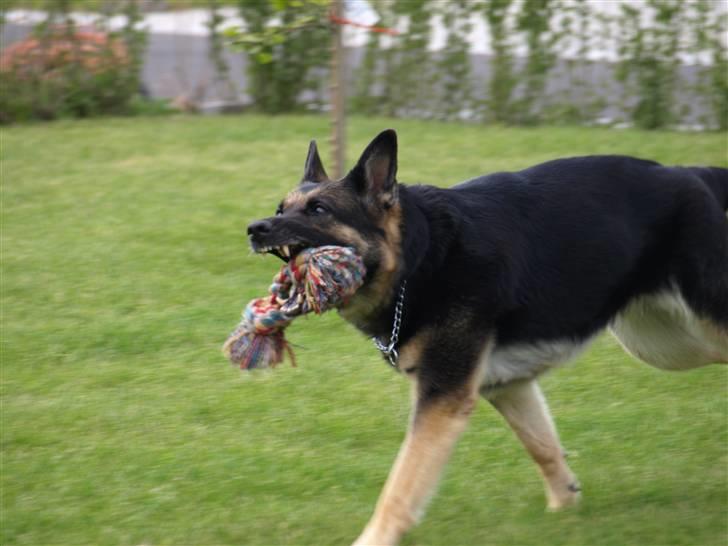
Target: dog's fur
{"type": "Point", "coordinates": [509, 275]}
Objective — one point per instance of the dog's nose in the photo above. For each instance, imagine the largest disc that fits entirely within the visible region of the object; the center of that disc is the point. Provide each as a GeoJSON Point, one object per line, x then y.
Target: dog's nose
{"type": "Point", "coordinates": [261, 227]}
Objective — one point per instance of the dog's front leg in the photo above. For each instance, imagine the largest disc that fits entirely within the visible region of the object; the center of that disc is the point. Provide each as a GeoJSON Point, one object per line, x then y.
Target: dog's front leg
{"type": "Point", "coordinates": [433, 431]}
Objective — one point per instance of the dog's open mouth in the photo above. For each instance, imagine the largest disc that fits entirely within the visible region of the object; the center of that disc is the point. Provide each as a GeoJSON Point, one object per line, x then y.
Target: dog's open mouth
{"type": "Point", "coordinates": [284, 252]}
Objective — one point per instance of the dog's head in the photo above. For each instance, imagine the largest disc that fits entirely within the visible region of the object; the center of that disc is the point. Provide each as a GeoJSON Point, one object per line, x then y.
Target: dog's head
{"type": "Point", "coordinates": [361, 211]}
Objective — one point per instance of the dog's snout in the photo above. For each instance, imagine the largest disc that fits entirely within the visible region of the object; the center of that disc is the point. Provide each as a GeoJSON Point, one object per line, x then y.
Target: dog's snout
{"type": "Point", "coordinates": [261, 227]}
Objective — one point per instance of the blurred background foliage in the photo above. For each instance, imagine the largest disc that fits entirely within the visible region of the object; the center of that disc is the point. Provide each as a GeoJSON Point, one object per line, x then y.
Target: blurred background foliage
{"type": "Point", "coordinates": [64, 71]}
{"type": "Point", "coordinates": [669, 68]}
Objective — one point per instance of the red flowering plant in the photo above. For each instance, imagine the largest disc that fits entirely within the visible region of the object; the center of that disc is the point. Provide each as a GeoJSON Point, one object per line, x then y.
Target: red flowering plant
{"type": "Point", "coordinates": [62, 71]}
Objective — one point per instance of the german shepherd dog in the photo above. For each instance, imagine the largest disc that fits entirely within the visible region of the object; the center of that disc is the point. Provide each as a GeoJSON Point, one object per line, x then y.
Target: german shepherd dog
{"type": "Point", "coordinates": [479, 289]}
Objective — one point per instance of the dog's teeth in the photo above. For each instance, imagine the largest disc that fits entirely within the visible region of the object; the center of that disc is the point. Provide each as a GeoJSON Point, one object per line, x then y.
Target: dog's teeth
{"type": "Point", "coordinates": [285, 251]}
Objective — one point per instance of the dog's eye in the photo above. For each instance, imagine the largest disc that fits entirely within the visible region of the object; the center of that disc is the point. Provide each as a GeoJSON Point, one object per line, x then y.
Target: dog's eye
{"type": "Point", "coordinates": [317, 209]}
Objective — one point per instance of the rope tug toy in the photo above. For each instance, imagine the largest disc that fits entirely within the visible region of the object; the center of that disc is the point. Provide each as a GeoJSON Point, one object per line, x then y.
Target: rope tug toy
{"type": "Point", "coordinates": [316, 280]}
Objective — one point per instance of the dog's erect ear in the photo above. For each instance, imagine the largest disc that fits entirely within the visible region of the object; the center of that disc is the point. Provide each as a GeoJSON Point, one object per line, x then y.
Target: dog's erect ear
{"type": "Point", "coordinates": [314, 170]}
{"type": "Point", "coordinates": [376, 171]}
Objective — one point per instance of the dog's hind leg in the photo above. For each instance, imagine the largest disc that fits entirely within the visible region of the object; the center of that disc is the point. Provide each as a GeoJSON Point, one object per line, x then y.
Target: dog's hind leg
{"type": "Point", "coordinates": [663, 330]}
{"type": "Point", "coordinates": [524, 408]}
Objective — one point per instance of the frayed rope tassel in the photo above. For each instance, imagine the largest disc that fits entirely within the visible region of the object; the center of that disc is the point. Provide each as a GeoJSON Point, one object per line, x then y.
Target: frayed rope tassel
{"type": "Point", "coordinates": [316, 280]}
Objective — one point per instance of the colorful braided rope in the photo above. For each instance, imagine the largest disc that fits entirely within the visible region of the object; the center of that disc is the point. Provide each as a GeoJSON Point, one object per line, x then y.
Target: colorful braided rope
{"type": "Point", "coordinates": [318, 279]}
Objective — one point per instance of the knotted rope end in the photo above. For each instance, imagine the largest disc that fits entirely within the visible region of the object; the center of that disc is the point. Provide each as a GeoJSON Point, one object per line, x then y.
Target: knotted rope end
{"type": "Point", "coordinates": [317, 280]}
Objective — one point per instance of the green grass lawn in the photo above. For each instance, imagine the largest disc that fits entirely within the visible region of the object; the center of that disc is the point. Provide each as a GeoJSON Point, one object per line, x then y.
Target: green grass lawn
{"type": "Point", "coordinates": [124, 267]}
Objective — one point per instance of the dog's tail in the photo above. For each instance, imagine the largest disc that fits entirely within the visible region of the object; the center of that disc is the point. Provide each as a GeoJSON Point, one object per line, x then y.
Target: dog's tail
{"type": "Point", "coordinates": [716, 179]}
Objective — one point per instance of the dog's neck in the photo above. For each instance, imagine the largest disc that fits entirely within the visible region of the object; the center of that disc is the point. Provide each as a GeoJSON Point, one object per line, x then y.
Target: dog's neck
{"type": "Point", "coordinates": [426, 236]}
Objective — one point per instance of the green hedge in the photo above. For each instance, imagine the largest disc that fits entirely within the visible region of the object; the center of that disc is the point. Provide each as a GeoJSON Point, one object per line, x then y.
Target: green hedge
{"type": "Point", "coordinates": [398, 76]}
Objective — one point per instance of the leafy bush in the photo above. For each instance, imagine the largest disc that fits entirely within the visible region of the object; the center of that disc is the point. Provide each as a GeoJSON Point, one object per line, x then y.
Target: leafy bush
{"type": "Point", "coordinates": [63, 71]}
{"type": "Point", "coordinates": [286, 40]}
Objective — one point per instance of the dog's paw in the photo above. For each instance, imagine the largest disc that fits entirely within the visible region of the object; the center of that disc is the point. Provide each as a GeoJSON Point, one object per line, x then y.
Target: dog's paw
{"type": "Point", "coordinates": [371, 537]}
{"type": "Point", "coordinates": [564, 499]}
{"type": "Point", "coordinates": [365, 539]}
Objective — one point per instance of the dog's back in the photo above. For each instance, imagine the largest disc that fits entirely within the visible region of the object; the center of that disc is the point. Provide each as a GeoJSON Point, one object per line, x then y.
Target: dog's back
{"type": "Point", "coordinates": [717, 181]}
{"type": "Point", "coordinates": [586, 235]}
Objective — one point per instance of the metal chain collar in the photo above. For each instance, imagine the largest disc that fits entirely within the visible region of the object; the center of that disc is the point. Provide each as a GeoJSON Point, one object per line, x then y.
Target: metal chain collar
{"type": "Point", "coordinates": [389, 350]}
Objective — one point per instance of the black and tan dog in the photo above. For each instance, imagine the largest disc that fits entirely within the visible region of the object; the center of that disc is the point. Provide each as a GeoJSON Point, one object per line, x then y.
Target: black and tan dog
{"type": "Point", "coordinates": [478, 289]}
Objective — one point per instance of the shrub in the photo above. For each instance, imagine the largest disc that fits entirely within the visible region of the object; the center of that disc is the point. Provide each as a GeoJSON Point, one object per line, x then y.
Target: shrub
{"type": "Point", "coordinates": [65, 72]}
{"type": "Point", "coordinates": [287, 41]}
